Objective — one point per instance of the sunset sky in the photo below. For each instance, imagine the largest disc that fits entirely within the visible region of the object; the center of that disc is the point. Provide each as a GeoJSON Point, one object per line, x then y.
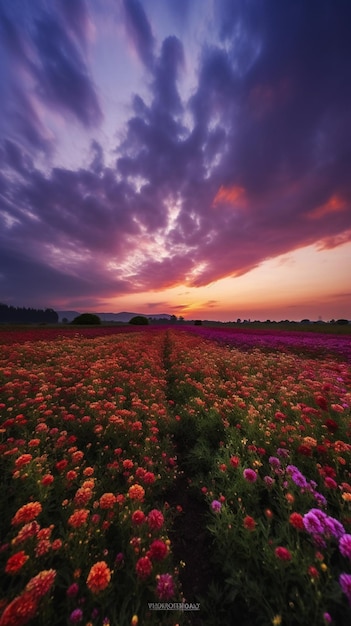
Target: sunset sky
{"type": "Point", "coordinates": [190, 157]}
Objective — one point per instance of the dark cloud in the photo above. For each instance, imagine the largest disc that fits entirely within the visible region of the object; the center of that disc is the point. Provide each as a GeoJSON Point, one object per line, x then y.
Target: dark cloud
{"type": "Point", "coordinates": [62, 74]}
{"type": "Point", "coordinates": [76, 18]}
{"type": "Point", "coordinates": [139, 30]}
{"type": "Point", "coordinates": [46, 53]}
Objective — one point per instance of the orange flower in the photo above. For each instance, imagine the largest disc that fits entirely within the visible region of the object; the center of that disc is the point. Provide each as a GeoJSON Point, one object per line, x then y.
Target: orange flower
{"type": "Point", "coordinates": [78, 518]}
{"type": "Point", "coordinates": [82, 496]}
{"type": "Point", "coordinates": [16, 562]}
{"type": "Point", "coordinates": [40, 584]}
{"type": "Point", "coordinates": [136, 492]}
{"type": "Point", "coordinates": [99, 577]}
{"type": "Point", "coordinates": [107, 501]}
{"type": "Point", "coordinates": [27, 513]}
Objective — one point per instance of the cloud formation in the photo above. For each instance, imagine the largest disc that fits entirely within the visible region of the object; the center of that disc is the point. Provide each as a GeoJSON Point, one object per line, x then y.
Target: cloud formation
{"type": "Point", "coordinates": [253, 165]}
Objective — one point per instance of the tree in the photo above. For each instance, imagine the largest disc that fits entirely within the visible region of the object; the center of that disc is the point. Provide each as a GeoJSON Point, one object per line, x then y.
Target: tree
{"type": "Point", "coordinates": [86, 319]}
{"type": "Point", "coordinates": [139, 320]}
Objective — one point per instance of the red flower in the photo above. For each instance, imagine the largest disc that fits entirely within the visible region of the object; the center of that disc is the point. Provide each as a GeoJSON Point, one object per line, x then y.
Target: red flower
{"type": "Point", "coordinates": [283, 553]}
{"type": "Point", "coordinates": [234, 461]}
{"type": "Point", "coordinates": [331, 425]}
{"type": "Point", "coordinates": [143, 567]}
{"type": "Point", "coordinates": [27, 513]}
{"type": "Point", "coordinates": [149, 478]}
{"type": "Point", "coordinates": [296, 520]}
{"type": "Point", "coordinates": [249, 523]}
{"type": "Point", "coordinates": [20, 611]}
{"type": "Point", "coordinates": [22, 460]}
{"type": "Point", "coordinates": [313, 572]}
{"type": "Point", "coordinates": [40, 584]}
{"type": "Point", "coordinates": [61, 465]}
{"type": "Point", "coordinates": [158, 550]}
{"type": "Point", "coordinates": [138, 517]}
{"type": "Point", "coordinates": [16, 562]}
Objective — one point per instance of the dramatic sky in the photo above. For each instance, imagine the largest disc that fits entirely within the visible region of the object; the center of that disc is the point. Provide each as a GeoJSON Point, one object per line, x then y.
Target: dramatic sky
{"type": "Point", "coordinates": [181, 156]}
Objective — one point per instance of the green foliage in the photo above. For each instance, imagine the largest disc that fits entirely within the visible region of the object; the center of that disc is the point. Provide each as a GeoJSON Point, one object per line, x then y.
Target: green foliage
{"type": "Point", "coordinates": [139, 320]}
{"type": "Point", "coordinates": [86, 319]}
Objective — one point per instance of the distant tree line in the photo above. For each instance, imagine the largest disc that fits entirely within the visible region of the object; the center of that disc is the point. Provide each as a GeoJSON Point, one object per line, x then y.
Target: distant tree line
{"type": "Point", "coordinates": [23, 315]}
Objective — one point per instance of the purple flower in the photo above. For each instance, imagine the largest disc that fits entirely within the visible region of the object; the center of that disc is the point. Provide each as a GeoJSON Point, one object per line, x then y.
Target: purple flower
{"type": "Point", "coordinates": [316, 522]}
{"type": "Point", "coordinates": [320, 498]}
{"type": "Point", "coordinates": [76, 616]}
{"type": "Point", "coordinates": [274, 461]}
{"type": "Point", "coordinates": [334, 527]}
{"type": "Point", "coordinates": [345, 545]}
{"type": "Point", "coordinates": [250, 475]}
{"type": "Point", "coordinates": [312, 523]}
{"type": "Point", "coordinates": [345, 584]}
{"type": "Point", "coordinates": [327, 618]}
{"type": "Point", "coordinates": [283, 452]}
{"type": "Point", "coordinates": [165, 587]}
{"type": "Point", "coordinates": [216, 506]}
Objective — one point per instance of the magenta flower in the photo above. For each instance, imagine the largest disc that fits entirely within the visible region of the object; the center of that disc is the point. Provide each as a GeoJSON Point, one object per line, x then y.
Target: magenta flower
{"type": "Point", "coordinates": [76, 616]}
{"type": "Point", "coordinates": [345, 584]}
{"type": "Point", "coordinates": [165, 587]}
{"type": "Point", "coordinates": [216, 506]}
{"type": "Point", "coordinates": [345, 545]}
{"type": "Point", "coordinates": [250, 475]}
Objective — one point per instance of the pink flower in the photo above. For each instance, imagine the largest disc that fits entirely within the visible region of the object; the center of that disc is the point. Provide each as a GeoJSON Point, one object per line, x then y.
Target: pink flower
{"type": "Point", "coordinates": [250, 475]}
{"type": "Point", "coordinates": [216, 506]}
{"type": "Point", "coordinates": [155, 519]}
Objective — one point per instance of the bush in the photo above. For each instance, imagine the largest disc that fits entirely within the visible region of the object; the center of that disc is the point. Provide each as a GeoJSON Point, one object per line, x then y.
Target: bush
{"type": "Point", "coordinates": [139, 320]}
{"type": "Point", "coordinates": [198, 323]}
{"type": "Point", "coordinates": [342, 322]}
{"type": "Point", "coordinates": [86, 319]}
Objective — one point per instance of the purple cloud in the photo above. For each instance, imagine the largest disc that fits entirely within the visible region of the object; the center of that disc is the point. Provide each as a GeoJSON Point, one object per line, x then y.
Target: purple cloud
{"type": "Point", "coordinates": [253, 165]}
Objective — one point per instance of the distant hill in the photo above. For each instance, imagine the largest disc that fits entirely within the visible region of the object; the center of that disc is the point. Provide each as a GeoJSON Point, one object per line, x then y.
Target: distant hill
{"type": "Point", "coordinates": [124, 316]}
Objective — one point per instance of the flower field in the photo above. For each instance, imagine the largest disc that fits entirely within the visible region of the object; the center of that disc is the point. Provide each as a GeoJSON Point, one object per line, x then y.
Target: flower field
{"type": "Point", "coordinates": [114, 446]}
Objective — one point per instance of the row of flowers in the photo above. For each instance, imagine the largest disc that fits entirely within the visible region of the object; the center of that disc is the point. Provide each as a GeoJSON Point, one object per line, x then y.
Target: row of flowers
{"type": "Point", "coordinates": [86, 461]}
{"type": "Point", "coordinates": [268, 446]}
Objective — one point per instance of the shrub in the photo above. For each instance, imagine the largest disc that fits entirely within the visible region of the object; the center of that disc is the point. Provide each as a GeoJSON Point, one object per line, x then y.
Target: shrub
{"type": "Point", "coordinates": [198, 323]}
{"type": "Point", "coordinates": [139, 320]}
{"type": "Point", "coordinates": [86, 318]}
